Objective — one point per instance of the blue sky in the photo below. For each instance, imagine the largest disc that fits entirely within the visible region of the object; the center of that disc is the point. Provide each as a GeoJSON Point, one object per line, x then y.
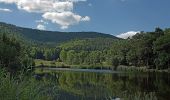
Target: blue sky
{"type": "Point", "coordinates": [107, 16]}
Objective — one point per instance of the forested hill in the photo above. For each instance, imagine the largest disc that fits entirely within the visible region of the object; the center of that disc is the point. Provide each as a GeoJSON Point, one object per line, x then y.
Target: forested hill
{"type": "Point", "coordinates": [50, 36]}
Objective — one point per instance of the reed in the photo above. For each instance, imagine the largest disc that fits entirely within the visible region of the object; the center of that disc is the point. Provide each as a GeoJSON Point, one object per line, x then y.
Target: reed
{"type": "Point", "coordinates": [25, 88]}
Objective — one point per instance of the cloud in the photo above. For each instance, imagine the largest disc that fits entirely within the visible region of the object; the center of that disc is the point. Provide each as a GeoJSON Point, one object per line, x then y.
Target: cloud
{"type": "Point", "coordinates": [86, 18]}
{"type": "Point", "coordinates": [76, 0]}
{"type": "Point", "coordinates": [128, 34]}
{"type": "Point", "coordinates": [41, 27]}
{"type": "Point", "coordinates": [41, 21]}
{"type": "Point", "coordinates": [64, 19]}
{"type": "Point", "coordinates": [16, 1]}
{"type": "Point", "coordinates": [36, 6]}
{"type": "Point", "coordinates": [63, 6]}
{"type": "Point", "coordinates": [8, 1]}
{"type": "Point", "coordinates": [42, 6]}
{"type": "Point", "coordinates": [57, 11]}
{"type": "Point", "coordinates": [5, 10]}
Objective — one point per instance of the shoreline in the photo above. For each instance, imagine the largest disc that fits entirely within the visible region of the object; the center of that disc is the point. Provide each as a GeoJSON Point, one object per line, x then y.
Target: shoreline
{"type": "Point", "coordinates": [81, 70]}
{"type": "Point", "coordinates": [53, 64]}
{"type": "Point", "coordinates": [103, 69]}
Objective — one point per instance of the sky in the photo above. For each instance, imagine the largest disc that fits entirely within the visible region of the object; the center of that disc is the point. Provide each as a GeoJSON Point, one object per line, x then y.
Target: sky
{"type": "Point", "coordinates": [121, 18]}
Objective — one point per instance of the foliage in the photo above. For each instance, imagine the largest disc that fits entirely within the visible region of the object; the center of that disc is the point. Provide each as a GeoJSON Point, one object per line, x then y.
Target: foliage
{"type": "Point", "coordinates": [49, 37]}
{"type": "Point", "coordinates": [13, 55]}
{"type": "Point", "coordinates": [145, 49]}
{"type": "Point", "coordinates": [24, 88]}
{"type": "Point", "coordinates": [162, 49]}
{"type": "Point", "coordinates": [114, 62]}
{"type": "Point", "coordinates": [148, 49]}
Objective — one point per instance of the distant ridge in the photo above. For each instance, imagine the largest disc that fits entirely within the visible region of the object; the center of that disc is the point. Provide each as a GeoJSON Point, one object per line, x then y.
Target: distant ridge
{"type": "Point", "coordinates": [50, 36]}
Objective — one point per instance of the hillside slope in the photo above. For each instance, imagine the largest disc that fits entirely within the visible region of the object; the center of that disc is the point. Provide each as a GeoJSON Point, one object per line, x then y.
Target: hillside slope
{"type": "Point", "coordinates": [50, 36]}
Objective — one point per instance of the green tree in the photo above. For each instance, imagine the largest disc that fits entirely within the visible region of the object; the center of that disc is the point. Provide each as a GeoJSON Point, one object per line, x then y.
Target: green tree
{"type": "Point", "coordinates": [63, 55]}
{"type": "Point", "coordinates": [13, 53]}
{"type": "Point", "coordinates": [114, 62]}
{"type": "Point", "coordinates": [162, 49]}
{"type": "Point", "coordinates": [70, 56]}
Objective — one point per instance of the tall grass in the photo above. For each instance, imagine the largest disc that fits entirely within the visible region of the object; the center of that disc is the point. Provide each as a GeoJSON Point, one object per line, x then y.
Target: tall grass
{"type": "Point", "coordinates": [135, 96]}
{"type": "Point", "coordinates": [25, 88]}
{"type": "Point", "coordinates": [141, 96]}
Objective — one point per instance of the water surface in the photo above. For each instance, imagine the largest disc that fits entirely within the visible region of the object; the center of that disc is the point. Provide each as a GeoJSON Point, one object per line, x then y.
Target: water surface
{"type": "Point", "coordinates": [104, 85]}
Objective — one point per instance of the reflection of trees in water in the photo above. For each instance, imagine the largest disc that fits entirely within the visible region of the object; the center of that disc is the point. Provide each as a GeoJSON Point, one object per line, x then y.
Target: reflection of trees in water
{"type": "Point", "coordinates": [104, 85]}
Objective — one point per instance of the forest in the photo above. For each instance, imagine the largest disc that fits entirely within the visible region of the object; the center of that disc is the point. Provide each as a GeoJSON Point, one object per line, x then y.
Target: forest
{"type": "Point", "coordinates": [19, 55]}
{"type": "Point", "coordinates": [146, 49]}
{"type": "Point", "coordinates": [51, 38]}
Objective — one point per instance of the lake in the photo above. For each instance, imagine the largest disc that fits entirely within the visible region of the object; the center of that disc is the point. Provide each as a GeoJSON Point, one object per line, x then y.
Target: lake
{"type": "Point", "coordinates": [107, 85]}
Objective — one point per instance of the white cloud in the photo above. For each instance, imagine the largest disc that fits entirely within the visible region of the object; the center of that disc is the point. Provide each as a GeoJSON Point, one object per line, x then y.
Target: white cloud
{"type": "Point", "coordinates": [16, 1]}
{"type": "Point", "coordinates": [86, 18]}
{"type": "Point", "coordinates": [64, 19]}
{"type": "Point", "coordinates": [5, 10]}
{"type": "Point", "coordinates": [34, 5]}
{"type": "Point", "coordinates": [42, 6]}
{"type": "Point", "coordinates": [57, 11]}
{"type": "Point", "coordinates": [128, 34]}
{"type": "Point", "coordinates": [64, 27]}
{"type": "Point", "coordinates": [63, 6]}
{"type": "Point", "coordinates": [8, 1]}
{"type": "Point", "coordinates": [76, 0]}
{"type": "Point", "coordinates": [41, 27]}
{"type": "Point", "coordinates": [41, 21]}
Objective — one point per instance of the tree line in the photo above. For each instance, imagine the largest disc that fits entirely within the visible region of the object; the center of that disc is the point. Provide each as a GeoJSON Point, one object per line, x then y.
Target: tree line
{"type": "Point", "coordinates": [147, 49]}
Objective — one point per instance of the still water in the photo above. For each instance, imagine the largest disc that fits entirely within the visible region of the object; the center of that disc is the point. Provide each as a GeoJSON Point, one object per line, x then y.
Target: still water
{"type": "Point", "coordinates": [98, 85]}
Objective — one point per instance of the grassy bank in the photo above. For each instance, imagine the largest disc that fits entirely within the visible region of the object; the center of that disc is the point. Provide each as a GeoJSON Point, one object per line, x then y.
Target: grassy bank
{"type": "Point", "coordinates": [140, 69]}
{"type": "Point", "coordinates": [22, 87]}
{"type": "Point", "coordinates": [54, 64]}
{"type": "Point", "coordinates": [44, 63]}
